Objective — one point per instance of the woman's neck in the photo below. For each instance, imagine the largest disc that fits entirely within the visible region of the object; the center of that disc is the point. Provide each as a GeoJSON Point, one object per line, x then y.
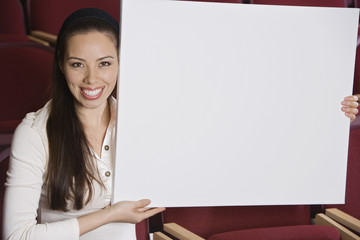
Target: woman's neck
{"type": "Point", "coordinates": [94, 118]}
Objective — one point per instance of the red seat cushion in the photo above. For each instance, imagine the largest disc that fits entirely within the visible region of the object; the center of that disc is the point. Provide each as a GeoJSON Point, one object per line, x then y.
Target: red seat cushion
{"type": "Point", "coordinates": [302, 232]}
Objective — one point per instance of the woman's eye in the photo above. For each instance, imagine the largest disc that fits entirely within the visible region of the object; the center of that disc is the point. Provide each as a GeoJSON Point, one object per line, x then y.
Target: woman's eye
{"type": "Point", "coordinates": [76, 65]}
{"type": "Point", "coordinates": [105, 64]}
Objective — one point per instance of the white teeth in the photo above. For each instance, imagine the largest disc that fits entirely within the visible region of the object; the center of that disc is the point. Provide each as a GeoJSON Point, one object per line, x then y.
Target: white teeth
{"type": "Point", "coordinates": [92, 92]}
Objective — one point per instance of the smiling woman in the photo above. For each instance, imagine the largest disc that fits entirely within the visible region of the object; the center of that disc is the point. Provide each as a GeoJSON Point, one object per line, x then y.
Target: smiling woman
{"type": "Point", "coordinates": [59, 182]}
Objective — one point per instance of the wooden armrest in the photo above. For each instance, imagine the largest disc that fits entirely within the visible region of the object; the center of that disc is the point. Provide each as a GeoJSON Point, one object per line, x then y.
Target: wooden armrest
{"type": "Point", "coordinates": [160, 236]}
{"type": "Point", "coordinates": [180, 232]}
{"type": "Point", "coordinates": [343, 218]}
{"type": "Point", "coordinates": [45, 36]}
{"type": "Point", "coordinates": [322, 219]}
{"type": "Point", "coordinates": [38, 40]}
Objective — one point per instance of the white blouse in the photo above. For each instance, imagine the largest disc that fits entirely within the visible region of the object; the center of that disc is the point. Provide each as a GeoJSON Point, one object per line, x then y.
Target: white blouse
{"type": "Point", "coordinates": [26, 211]}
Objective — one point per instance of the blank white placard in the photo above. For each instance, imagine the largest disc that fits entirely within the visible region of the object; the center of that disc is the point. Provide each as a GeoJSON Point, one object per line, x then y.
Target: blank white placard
{"type": "Point", "coordinates": [233, 104]}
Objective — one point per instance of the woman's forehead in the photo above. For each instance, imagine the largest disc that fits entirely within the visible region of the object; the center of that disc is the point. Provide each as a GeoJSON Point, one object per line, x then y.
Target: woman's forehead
{"type": "Point", "coordinates": [90, 44]}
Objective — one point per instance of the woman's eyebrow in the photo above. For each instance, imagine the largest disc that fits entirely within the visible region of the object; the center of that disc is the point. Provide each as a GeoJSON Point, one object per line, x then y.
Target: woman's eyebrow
{"type": "Point", "coordinates": [76, 58]}
{"type": "Point", "coordinates": [81, 59]}
{"type": "Point", "coordinates": [102, 58]}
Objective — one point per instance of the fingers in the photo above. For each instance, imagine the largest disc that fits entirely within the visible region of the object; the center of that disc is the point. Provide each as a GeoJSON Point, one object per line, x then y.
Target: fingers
{"type": "Point", "coordinates": [353, 98]}
{"type": "Point", "coordinates": [350, 104]}
{"type": "Point", "coordinates": [146, 212]}
{"type": "Point", "coordinates": [350, 110]}
{"type": "Point", "coordinates": [151, 212]}
{"type": "Point", "coordinates": [142, 203]}
{"type": "Point", "coordinates": [351, 116]}
{"type": "Point", "coordinates": [131, 211]}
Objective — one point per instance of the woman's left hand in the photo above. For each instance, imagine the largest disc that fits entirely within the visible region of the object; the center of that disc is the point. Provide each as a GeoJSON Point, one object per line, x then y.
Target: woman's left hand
{"type": "Point", "coordinates": [349, 107]}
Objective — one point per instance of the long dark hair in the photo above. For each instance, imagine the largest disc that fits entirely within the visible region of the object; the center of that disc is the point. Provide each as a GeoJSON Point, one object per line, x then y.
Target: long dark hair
{"type": "Point", "coordinates": [71, 169]}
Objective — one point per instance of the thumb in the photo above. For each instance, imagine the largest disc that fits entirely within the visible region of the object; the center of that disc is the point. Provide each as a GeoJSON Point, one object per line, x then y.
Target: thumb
{"type": "Point", "coordinates": [142, 203]}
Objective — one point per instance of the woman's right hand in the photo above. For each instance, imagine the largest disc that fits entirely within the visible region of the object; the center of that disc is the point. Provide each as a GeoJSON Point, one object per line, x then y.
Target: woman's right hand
{"type": "Point", "coordinates": [131, 211]}
{"type": "Point", "coordinates": [124, 211]}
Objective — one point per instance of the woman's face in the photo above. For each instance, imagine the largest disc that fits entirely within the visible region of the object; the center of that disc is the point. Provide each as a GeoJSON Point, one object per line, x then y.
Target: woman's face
{"type": "Point", "coordinates": [91, 67]}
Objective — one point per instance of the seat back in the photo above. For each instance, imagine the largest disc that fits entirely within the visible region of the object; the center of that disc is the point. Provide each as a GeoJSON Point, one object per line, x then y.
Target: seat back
{"type": "Point", "coordinates": [313, 3]}
{"type": "Point", "coordinates": [25, 80]}
{"type": "Point", "coordinates": [356, 89]}
{"type": "Point", "coordinates": [48, 16]}
{"type": "Point", "coordinates": [12, 19]}
{"type": "Point", "coordinates": [25, 77]}
{"type": "Point", "coordinates": [352, 194]}
{"type": "Point", "coordinates": [350, 3]}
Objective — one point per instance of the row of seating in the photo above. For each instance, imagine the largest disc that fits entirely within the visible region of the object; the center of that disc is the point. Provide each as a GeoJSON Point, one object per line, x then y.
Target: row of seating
{"type": "Point", "coordinates": [29, 20]}
{"type": "Point", "coordinates": [21, 21]}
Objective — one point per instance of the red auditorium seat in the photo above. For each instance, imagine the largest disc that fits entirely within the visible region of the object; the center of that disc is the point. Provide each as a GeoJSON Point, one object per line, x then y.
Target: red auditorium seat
{"type": "Point", "coordinates": [257, 222]}
{"type": "Point", "coordinates": [313, 3]}
{"type": "Point", "coordinates": [352, 194]}
{"type": "Point", "coordinates": [25, 77]}
{"type": "Point", "coordinates": [13, 24]}
{"type": "Point", "coordinates": [348, 214]}
{"type": "Point", "coordinates": [12, 18]}
{"type": "Point", "coordinates": [47, 16]}
{"type": "Point", "coordinates": [356, 89]}
{"type": "Point", "coordinates": [12, 27]}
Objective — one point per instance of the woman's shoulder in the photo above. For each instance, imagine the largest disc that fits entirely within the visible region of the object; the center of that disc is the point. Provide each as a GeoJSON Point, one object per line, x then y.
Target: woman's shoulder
{"type": "Point", "coordinates": [29, 143]}
{"type": "Point", "coordinates": [38, 119]}
{"type": "Point", "coordinates": [34, 123]}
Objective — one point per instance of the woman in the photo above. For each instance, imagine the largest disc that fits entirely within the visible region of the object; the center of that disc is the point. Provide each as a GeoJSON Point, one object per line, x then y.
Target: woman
{"type": "Point", "coordinates": [59, 181]}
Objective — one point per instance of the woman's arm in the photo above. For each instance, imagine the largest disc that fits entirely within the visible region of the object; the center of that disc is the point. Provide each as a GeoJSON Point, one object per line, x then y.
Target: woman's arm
{"type": "Point", "coordinates": [23, 190]}
{"type": "Point", "coordinates": [126, 211]}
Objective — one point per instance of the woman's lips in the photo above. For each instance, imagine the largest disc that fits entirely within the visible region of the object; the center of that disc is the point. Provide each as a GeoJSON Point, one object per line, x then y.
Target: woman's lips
{"type": "Point", "coordinates": [92, 93]}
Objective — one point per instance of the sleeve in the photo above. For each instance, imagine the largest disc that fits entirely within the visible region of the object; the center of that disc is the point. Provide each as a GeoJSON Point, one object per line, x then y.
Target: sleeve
{"type": "Point", "coordinates": [23, 190]}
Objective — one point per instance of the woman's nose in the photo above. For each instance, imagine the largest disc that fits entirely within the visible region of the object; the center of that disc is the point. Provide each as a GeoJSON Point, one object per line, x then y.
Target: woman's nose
{"type": "Point", "coordinates": [90, 77]}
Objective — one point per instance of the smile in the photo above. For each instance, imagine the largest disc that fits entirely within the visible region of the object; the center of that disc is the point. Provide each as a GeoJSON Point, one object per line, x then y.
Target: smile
{"type": "Point", "coordinates": [92, 94]}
